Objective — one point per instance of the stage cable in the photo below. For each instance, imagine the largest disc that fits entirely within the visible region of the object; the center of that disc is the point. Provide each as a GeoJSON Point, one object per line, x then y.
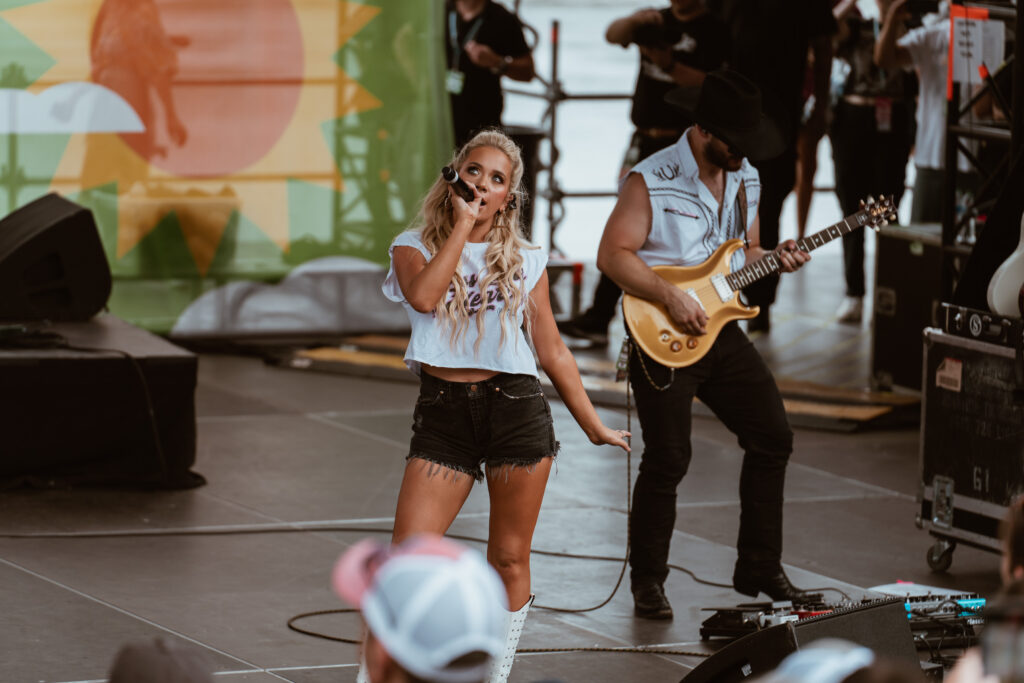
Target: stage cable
{"type": "Point", "coordinates": [56, 341]}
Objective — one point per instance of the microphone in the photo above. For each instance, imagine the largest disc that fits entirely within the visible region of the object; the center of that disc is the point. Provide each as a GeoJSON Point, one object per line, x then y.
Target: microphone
{"type": "Point", "coordinates": [451, 176]}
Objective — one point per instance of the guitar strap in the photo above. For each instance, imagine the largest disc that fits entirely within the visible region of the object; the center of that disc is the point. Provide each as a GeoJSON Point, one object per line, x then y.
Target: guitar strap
{"type": "Point", "coordinates": [741, 210]}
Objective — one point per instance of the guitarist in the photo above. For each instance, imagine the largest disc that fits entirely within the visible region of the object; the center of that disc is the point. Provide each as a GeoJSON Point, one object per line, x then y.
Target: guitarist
{"type": "Point", "coordinates": [675, 208]}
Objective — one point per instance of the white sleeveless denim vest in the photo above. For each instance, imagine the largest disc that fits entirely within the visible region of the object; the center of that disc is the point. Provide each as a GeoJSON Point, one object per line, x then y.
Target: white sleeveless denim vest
{"type": "Point", "coordinates": [685, 229]}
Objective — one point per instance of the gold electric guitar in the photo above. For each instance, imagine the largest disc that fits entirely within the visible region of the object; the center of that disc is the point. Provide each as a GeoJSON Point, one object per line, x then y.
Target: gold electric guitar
{"type": "Point", "coordinates": [717, 290]}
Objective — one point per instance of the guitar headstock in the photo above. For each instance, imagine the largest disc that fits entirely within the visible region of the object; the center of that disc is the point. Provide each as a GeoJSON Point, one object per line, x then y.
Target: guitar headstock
{"type": "Point", "coordinates": [879, 211]}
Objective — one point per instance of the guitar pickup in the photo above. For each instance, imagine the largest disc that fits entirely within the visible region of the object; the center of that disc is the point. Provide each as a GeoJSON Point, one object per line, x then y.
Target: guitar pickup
{"type": "Point", "coordinates": [722, 288]}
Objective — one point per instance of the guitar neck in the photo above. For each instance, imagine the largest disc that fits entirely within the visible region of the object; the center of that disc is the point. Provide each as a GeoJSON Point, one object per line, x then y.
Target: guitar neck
{"type": "Point", "coordinates": [769, 263]}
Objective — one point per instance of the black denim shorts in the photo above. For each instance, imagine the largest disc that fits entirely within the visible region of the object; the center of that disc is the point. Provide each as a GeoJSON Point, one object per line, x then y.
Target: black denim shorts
{"type": "Point", "coordinates": [501, 421]}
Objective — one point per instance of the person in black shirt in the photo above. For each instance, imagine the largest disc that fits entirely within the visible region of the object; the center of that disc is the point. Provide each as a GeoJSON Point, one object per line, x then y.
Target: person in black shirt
{"type": "Point", "coordinates": [678, 45]}
{"type": "Point", "coordinates": [484, 42]}
{"type": "Point", "coordinates": [872, 132]}
{"type": "Point", "coordinates": [770, 40]}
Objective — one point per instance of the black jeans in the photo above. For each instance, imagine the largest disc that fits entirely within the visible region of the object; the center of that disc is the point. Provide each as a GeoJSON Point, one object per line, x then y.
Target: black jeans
{"type": "Point", "coordinates": [867, 162]}
{"type": "Point", "coordinates": [736, 384]}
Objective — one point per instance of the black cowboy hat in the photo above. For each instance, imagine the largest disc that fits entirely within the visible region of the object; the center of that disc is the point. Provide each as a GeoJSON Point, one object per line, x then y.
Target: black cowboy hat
{"type": "Point", "coordinates": [729, 106]}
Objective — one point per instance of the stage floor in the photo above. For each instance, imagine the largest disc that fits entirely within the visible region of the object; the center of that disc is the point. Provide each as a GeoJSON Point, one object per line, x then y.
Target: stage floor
{"type": "Point", "coordinates": [293, 456]}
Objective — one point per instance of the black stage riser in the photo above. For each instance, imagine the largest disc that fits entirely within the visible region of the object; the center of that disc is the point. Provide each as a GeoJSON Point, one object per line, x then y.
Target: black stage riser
{"type": "Point", "coordinates": [75, 416]}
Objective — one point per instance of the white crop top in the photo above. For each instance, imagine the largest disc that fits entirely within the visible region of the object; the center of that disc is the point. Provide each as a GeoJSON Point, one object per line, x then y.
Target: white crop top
{"type": "Point", "coordinates": [430, 341]}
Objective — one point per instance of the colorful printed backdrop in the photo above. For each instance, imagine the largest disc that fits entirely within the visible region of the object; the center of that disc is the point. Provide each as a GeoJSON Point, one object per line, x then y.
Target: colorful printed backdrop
{"type": "Point", "coordinates": [222, 140]}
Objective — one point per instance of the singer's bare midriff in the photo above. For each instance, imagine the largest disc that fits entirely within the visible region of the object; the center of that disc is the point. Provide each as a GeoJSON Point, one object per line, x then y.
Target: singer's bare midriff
{"type": "Point", "coordinates": [458, 374]}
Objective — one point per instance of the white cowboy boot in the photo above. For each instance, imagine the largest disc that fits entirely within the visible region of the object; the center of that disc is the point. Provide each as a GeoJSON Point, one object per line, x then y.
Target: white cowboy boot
{"type": "Point", "coordinates": [362, 676]}
{"type": "Point", "coordinates": [513, 629]}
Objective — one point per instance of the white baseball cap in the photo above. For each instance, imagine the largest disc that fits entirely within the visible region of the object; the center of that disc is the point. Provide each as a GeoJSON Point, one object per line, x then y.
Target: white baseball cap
{"type": "Point", "coordinates": [828, 660]}
{"type": "Point", "coordinates": [429, 601]}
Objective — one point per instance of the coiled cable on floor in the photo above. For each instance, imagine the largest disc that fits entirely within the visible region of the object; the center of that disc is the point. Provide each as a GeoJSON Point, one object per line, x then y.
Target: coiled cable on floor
{"type": "Point", "coordinates": [322, 527]}
{"type": "Point", "coordinates": [618, 583]}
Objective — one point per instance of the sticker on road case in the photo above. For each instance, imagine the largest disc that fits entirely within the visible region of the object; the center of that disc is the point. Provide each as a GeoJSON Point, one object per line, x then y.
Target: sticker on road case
{"type": "Point", "coordinates": [949, 374]}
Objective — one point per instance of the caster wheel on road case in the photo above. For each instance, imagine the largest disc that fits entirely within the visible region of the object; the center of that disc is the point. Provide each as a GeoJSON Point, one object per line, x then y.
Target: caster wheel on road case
{"type": "Point", "coordinates": [940, 555]}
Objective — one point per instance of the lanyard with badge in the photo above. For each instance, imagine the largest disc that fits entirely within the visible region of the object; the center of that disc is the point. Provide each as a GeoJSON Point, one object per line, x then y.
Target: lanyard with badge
{"type": "Point", "coordinates": [883, 105]}
{"type": "Point", "coordinates": [455, 80]}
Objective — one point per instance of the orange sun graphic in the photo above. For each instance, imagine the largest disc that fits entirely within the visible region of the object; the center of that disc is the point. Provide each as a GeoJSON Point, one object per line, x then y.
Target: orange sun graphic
{"type": "Point", "coordinates": [248, 86]}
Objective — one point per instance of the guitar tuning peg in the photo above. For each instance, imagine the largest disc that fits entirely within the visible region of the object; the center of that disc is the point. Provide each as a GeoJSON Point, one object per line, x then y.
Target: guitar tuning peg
{"type": "Point", "coordinates": [871, 200]}
{"type": "Point", "coordinates": [893, 217]}
{"type": "Point", "coordinates": [883, 223]}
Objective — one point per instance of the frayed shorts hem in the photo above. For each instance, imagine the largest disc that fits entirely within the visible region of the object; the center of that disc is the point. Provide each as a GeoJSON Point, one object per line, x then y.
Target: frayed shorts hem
{"type": "Point", "coordinates": [443, 467]}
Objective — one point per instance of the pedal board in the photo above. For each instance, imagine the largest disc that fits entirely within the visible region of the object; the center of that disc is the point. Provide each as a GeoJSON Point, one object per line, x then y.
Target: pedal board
{"type": "Point", "coordinates": [738, 621]}
{"type": "Point", "coordinates": [936, 621]}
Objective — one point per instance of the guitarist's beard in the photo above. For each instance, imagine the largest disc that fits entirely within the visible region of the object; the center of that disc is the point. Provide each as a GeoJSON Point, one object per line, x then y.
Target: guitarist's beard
{"type": "Point", "coordinates": [717, 152]}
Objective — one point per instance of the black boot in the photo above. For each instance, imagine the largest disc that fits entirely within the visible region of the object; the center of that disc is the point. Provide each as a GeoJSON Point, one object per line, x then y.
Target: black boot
{"type": "Point", "coordinates": [649, 602]}
{"type": "Point", "coordinates": [775, 585]}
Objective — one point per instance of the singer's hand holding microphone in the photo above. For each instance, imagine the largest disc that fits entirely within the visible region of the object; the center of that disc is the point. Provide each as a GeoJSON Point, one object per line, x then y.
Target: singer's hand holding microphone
{"type": "Point", "coordinates": [460, 187]}
{"type": "Point", "coordinates": [465, 191]}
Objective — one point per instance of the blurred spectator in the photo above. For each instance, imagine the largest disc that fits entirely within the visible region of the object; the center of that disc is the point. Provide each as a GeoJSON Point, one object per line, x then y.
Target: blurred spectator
{"type": "Point", "coordinates": [1005, 643]}
{"type": "Point", "coordinates": [831, 660]}
{"type": "Point", "coordinates": [872, 132]}
{"type": "Point", "coordinates": [808, 138]}
{"type": "Point", "coordinates": [926, 49]}
{"type": "Point", "coordinates": [770, 40]}
{"type": "Point", "coordinates": [1000, 654]}
{"type": "Point", "coordinates": [484, 42]}
{"type": "Point", "coordinates": [434, 610]}
{"type": "Point", "coordinates": [678, 45]}
{"type": "Point", "coordinates": [160, 660]}
{"type": "Point", "coordinates": [1012, 535]}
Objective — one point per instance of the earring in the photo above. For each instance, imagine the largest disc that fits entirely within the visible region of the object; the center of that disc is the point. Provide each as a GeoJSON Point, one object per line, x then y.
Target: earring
{"type": "Point", "coordinates": [512, 202]}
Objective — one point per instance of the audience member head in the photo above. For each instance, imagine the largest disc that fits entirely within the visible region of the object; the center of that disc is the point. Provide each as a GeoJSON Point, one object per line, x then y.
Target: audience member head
{"type": "Point", "coordinates": [434, 609]}
{"type": "Point", "coordinates": [160, 660]}
{"type": "Point", "coordinates": [831, 660]}
{"type": "Point", "coordinates": [1002, 638]}
{"type": "Point", "coordinates": [1012, 533]}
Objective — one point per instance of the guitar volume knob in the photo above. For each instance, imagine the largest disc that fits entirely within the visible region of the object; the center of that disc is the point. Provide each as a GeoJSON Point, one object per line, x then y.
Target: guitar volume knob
{"type": "Point", "coordinates": [676, 346]}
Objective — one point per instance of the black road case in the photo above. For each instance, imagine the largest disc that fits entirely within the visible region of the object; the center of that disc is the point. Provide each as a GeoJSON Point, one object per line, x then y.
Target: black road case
{"type": "Point", "coordinates": [908, 280]}
{"type": "Point", "coordinates": [972, 442]}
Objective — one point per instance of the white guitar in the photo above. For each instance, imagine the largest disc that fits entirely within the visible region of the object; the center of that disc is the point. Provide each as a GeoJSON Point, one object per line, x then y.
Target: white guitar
{"type": "Point", "coordinates": [1006, 288]}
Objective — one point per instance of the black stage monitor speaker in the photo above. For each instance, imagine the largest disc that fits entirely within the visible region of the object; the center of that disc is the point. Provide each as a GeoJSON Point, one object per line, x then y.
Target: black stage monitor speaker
{"type": "Point", "coordinates": [52, 265]}
{"type": "Point", "coordinates": [881, 626]}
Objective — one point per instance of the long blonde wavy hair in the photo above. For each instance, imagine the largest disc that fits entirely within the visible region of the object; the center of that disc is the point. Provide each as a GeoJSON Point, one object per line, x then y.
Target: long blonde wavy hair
{"type": "Point", "coordinates": [504, 255]}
